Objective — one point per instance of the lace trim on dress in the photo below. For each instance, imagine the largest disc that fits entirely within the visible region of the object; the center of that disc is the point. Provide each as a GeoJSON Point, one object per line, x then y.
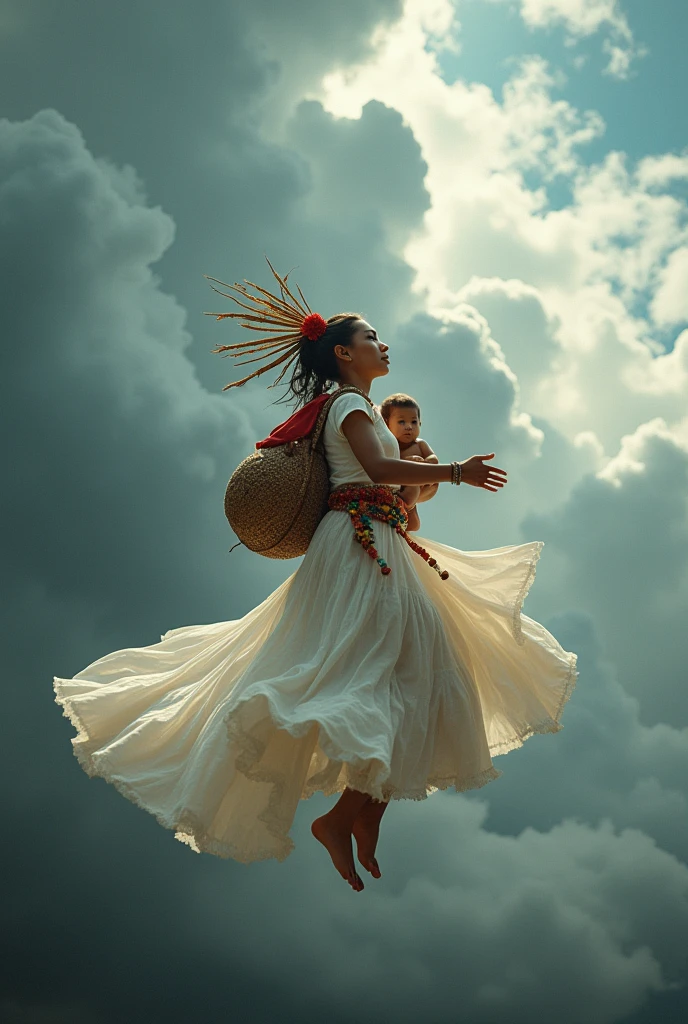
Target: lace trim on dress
{"type": "Point", "coordinates": [192, 831]}
{"type": "Point", "coordinates": [546, 725]}
{"type": "Point", "coordinates": [187, 826]}
{"type": "Point", "coordinates": [531, 566]}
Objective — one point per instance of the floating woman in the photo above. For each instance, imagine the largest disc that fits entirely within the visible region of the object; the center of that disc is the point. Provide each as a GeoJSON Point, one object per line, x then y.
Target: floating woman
{"type": "Point", "coordinates": [384, 668]}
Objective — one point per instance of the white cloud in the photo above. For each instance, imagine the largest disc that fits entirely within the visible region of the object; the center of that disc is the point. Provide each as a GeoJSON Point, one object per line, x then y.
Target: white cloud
{"type": "Point", "coordinates": [585, 18]}
{"type": "Point", "coordinates": [593, 262]}
{"type": "Point", "coordinates": [670, 302]}
{"type": "Point", "coordinates": [661, 170]}
{"type": "Point", "coordinates": [581, 16]}
{"type": "Point", "coordinates": [520, 324]}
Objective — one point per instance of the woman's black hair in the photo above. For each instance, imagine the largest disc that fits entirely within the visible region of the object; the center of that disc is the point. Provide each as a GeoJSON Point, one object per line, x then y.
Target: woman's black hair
{"type": "Point", "coordinates": [316, 367]}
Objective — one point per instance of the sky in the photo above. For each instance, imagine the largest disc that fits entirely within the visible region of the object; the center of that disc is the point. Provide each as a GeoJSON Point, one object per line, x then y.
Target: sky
{"type": "Point", "coordinates": [501, 188]}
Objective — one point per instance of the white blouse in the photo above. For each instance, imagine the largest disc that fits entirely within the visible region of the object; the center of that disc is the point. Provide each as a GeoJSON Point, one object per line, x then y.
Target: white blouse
{"type": "Point", "coordinates": [343, 465]}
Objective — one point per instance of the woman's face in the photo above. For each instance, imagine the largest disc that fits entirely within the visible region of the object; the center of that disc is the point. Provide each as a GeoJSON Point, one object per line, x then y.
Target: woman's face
{"type": "Point", "coordinates": [368, 354]}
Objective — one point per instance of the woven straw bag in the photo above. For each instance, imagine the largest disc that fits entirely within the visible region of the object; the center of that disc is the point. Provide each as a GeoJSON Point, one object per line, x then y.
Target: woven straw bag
{"type": "Point", "coordinates": [277, 496]}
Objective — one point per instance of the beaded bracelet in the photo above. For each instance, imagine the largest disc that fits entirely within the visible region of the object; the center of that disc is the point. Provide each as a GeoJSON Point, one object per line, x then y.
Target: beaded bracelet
{"type": "Point", "coordinates": [456, 472]}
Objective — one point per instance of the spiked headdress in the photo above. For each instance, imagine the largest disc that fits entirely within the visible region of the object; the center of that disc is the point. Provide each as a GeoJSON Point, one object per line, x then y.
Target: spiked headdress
{"type": "Point", "coordinates": [290, 323]}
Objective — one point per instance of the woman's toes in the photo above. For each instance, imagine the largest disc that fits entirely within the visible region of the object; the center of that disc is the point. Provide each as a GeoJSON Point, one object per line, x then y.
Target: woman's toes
{"type": "Point", "coordinates": [366, 837]}
{"type": "Point", "coordinates": [371, 865]}
{"type": "Point", "coordinates": [355, 881]}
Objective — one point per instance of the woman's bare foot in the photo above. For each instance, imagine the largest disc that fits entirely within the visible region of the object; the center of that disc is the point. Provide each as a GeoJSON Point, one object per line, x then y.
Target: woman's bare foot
{"type": "Point", "coordinates": [336, 839]}
{"type": "Point", "coordinates": [366, 830]}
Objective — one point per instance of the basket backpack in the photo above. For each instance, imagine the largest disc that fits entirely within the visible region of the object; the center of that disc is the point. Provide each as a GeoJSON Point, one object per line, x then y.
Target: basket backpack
{"type": "Point", "coordinates": [277, 496]}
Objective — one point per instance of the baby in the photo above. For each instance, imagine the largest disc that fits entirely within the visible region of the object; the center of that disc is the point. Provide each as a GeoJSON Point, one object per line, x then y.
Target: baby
{"type": "Point", "coordinates": [401, 413]}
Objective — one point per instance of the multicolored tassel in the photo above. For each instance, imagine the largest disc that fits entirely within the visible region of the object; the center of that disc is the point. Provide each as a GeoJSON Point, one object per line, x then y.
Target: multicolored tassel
{"type": "Point", "coordinates": [364, 503]}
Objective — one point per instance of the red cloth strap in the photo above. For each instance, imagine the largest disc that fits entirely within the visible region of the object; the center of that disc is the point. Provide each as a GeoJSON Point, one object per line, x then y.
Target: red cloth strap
{"type": "Point", "coordinates": [300, 424]}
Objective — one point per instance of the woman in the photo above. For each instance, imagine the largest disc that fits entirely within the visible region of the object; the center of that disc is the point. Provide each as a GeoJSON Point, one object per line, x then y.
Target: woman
{"type": "Point", "coordinates": [373, 683]}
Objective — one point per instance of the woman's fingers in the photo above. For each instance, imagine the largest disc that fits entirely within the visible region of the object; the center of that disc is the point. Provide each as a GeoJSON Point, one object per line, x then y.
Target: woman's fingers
{"type": "Point", "coordinates": [494, 483]}
{"type": "Point", "coordinates": [475, 472]}
{"type": "Point", "coordinates": [491, 469]}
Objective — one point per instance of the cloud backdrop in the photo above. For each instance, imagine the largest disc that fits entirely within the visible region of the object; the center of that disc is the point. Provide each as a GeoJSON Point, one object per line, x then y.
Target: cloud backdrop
{"type": "Point", "coordinates": [530, 278]}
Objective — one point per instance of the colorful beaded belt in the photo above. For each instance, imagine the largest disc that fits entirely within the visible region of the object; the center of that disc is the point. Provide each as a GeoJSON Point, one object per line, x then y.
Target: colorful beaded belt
{"type": "Point", "coordinates": [364, 503]}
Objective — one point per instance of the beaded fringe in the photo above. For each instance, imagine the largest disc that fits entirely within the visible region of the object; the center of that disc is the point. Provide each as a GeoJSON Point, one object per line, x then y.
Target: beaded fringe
{"type": "Point", "coordinates": [365, 503]}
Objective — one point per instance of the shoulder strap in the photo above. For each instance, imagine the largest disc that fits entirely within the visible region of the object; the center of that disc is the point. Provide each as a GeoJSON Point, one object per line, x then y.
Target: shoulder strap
{"type": "Point", "coordinates": [322, 416]}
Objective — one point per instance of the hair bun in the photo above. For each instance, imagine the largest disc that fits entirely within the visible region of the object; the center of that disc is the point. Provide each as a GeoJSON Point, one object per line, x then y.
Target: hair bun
{"type": "Point", "coordinates": [313, 327]}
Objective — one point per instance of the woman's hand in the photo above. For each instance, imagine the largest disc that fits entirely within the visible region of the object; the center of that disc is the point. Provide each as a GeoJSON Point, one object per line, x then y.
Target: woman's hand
{"type": "Point", "coordinates": [475, 473]}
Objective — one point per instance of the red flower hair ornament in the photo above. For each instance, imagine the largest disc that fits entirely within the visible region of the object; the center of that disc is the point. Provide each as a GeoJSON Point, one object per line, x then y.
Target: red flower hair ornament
{"type": "Point", "coordinates": [313, 327]}
{"type": "Point", "coordinates": [287, 320]}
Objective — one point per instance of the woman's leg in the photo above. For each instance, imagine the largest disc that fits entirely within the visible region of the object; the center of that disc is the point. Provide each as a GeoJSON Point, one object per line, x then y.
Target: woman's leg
{"type": "Point", "coordinates": [334, 830]}
{"type": "Point", "coordinates": [366, 829]}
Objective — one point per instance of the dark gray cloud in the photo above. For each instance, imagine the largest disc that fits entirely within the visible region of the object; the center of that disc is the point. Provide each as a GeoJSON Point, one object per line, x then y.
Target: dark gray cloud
{"type": "Point", "coordinates": [366, 172]}
{"type": "Point", "coordinates": [605, 764]}
{"type": "Point", "coordinates": [624, 535]}
{"type": "Point", "coordinates": [178, 93]}
{"type": "Point", "coordinates": [107, 417]}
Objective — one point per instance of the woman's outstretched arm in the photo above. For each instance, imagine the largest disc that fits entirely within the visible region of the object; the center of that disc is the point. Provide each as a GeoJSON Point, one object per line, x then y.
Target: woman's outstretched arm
{"type": "Point", "coordinates": [367, 447]}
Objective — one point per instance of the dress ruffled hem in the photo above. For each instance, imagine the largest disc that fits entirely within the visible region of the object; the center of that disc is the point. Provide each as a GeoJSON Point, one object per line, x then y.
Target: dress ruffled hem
{"type": "Point", "coordinates": [551, 724]}
{"type": "Point", "coordinates": [546, 725]}
{"type": "Point", "coordinates": [194, 833]}
{"type": "Point", "coordinates": [528, 580]}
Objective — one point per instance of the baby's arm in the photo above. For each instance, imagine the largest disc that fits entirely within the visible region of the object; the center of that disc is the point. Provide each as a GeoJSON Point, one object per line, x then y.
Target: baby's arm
{"type": "Point", "coordinates": [409, 493]}
{"type": "Point", "coordinates": [413, 520]}
{"type": "Point", "coordinates": [426, 451]}
{"type": "Point", "coordinates": [427, 491]}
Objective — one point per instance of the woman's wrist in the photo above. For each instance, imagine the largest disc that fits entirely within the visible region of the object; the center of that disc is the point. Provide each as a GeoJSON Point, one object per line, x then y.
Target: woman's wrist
{"type": "Point", "coordinates": [413, 474]}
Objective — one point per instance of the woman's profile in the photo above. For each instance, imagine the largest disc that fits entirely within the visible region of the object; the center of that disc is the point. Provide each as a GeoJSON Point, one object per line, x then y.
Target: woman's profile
{"type": "Point", "coordinates": [385, 667]}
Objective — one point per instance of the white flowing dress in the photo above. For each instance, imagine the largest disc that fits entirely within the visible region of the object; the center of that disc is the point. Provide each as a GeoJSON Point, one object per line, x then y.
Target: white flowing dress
{"type": "Point", "coordinates": [396, 685]}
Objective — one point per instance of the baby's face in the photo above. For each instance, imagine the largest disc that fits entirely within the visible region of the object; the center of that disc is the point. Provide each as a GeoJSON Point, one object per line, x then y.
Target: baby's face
{"type": "Point", "coordinates": [404, 424]}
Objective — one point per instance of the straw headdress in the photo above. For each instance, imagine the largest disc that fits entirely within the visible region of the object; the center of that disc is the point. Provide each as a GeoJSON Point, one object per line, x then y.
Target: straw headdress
{"type": "Point", "coordinates": [289, 321]}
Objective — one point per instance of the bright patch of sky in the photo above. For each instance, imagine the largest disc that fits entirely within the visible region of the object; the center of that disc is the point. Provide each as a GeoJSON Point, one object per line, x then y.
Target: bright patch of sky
{"type": "Point", "coordinates": [527, 112]}
{"type": "Point", "coordinates": [644, 112]}
{"type": "Point", "coordinates": [629, 67]}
